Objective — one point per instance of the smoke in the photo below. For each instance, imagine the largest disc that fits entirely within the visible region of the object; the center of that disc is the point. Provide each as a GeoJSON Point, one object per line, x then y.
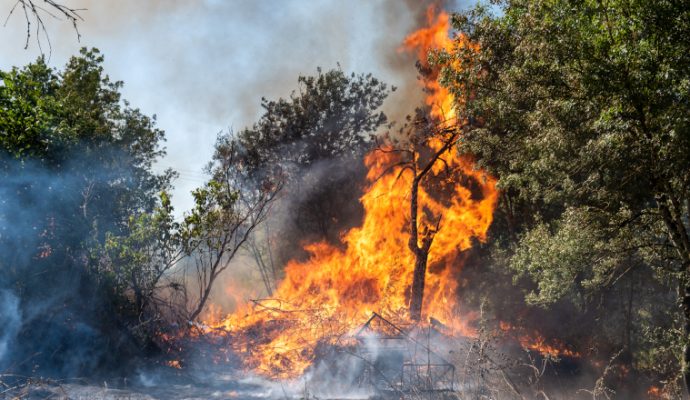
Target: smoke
{"type": "Point", "coordinates": [387, 361]}
{"type": "Point", "coordinates": [57, 319]}
{"type": "Point", "coordinates": [10, 320]}
{"type": "Point", "coordinates": [318, 203]}
{"type": "Point", "coordinates": [202, 66]}
{"type": "Point", "coordinates": [232, 289]}
{"type": "Point", "coordinates": [215, 71]}
{"type": "Point", "coordinates": [321, 201]}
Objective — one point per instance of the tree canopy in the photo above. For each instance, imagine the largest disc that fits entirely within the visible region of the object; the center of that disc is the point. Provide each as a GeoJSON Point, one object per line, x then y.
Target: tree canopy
{"type": "Point", "coordinates": [331, 115]}
{"type": "Point", "coordinates": [313, 141]}
{"type": "Point", "coordinates": [75, 165]}
{"type": "Point", "coordinates": [582, 111]}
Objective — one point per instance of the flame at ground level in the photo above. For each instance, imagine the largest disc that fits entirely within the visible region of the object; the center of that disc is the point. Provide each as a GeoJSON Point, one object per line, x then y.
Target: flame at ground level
{"type": "Point", "coordinates": [336, 289]}
{"type": "Point", "coordinates": [323, 299]}
{"type": "Point", "coordinates": [536, 342]}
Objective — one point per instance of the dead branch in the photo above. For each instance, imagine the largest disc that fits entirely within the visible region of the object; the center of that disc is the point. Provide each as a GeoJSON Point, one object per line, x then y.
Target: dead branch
{"type": "Point", "coordinates": [600, 388]}
{"type": "Point", "coordinates": [35, 12]}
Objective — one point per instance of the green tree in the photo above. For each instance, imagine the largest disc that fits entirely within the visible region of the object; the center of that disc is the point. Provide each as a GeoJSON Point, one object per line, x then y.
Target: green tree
{"type": "Point", "coordinates": [224, 217]}
{"type": "Point", "coordinates": [151, 263]}
{"type": "Point", "coordinates": [332, 115]}
{"type": "Point", "coordinates": [313, 140]}
{"type": "Point", "coordinates": [75, 164]}
{"type": "Point", "coordinates": [71, 121]}
{"type": "Point", "coordinates": [141, 262]}
{"type": "Point", "coordinates": [582, 110]}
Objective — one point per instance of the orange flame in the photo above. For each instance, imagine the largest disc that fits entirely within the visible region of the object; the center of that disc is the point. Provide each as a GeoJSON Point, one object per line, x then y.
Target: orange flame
{"type": "Point", "coordinates": [435, 37]}
{"type": "Point", "coordinates": [338, 287]}
{"type": "Point", "coordinates": [553, 348]}
{"type": "Point", "coordinates": [537, 342]}
{"type": "Point", "coordinates": [656, 393]}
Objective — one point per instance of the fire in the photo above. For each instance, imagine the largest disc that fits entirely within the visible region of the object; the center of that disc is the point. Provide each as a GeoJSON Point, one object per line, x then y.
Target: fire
{"type": "Point", "coordinates": [537, 342]}
{"type": "Point", "coordinates": [656, 393]}
{"type": "Point", "coordinates": [436, 37]}
{"type": "Point", "coordinates": [213, 314]}
{"type": "Point", "coordinates": [553, 348]}
{"type": "Point", "coordinates": [323, 299]}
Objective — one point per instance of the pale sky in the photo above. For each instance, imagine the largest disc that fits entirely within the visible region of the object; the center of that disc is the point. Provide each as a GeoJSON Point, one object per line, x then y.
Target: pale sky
{"type": "Point", "coordinates": [202, 66]}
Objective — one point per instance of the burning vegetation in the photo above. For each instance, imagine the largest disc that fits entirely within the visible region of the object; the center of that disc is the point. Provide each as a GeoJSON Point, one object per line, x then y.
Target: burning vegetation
{"type": "Point", "coordinates": [326, 297]}
{"type": "Point", "coordinates": [514, 238]}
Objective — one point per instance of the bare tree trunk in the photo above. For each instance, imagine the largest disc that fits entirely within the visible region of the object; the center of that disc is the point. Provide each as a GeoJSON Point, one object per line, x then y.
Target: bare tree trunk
{"type": "Point", "coordinates": [263, 257]}
{"type": "Point", "coordinates": [419, 274]}
{"type": "Point", "coordinates": [202, 301]}
{"type": "Point", "coordinates": [261, 265]}
{"type": "Point", "coordinates": [421, 254]}
{"type": "Point", "coordinates": [217, 266]}
{"type": "Point", "coordinates": [421, 251]}
{"type": "Point", "coordinates": [418, 279]}
{"type": "Point", "coordinates": [270, 256]}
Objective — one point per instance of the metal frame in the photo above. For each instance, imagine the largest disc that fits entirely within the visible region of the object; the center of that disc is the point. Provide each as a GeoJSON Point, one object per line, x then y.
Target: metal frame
{"type": "Point", "coordinates": [422, 370]}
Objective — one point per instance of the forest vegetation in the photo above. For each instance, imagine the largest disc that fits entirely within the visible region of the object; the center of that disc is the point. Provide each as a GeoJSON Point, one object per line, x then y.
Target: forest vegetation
{"type": "Point", "coordinates": [580, 111]}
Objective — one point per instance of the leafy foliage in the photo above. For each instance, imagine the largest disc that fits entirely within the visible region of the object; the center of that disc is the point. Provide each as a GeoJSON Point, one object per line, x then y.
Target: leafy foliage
{"type": "Point", "coordinates": [140, 262]}
{"type": "Point", "coordinates": [313, 142]}
{"type": "Point", "coordinates": [332, 115]}
{"type": "Point", "coordinates": [71, 121]}
{"type": "Point", "coordinates": [224, 217]}
{"type": "Point", "coordinates": [75, 164]}
{"type": "Point", "coordinates": [581, 110]}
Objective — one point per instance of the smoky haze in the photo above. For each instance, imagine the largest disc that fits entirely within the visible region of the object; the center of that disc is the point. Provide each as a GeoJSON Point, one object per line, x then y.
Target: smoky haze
{"type": "Point", "coordinates": [203, 66]}
{"type": "Point", "coordinates": [53, 314]}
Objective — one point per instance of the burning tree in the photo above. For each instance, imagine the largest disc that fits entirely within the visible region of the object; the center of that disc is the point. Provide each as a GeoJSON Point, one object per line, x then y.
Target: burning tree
{"type": "Point", "coordinates": [339, 285]}
{"type": "Point", "coordinates": [313, 141]}
{"type": "Point", "coordinates": [427, 146]}
{"type": "Point", "coordinates": [428, 149]}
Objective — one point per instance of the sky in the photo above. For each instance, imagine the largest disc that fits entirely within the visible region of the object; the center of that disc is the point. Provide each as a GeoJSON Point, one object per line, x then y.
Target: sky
{"type": "Point", "coordinates": [202, 66]}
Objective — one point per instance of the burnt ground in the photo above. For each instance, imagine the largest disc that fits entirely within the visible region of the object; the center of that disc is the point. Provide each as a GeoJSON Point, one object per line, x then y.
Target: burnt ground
{"type": "Point", "coordinates": [79, 391]}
